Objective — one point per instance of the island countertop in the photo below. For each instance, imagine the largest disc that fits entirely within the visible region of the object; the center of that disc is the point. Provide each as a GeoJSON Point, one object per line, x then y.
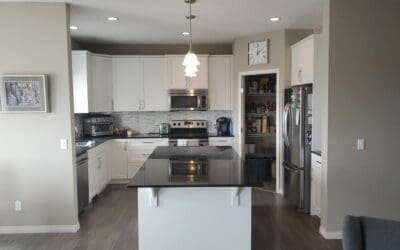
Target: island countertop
{"type": "Point", "coordinates": [195, 167]}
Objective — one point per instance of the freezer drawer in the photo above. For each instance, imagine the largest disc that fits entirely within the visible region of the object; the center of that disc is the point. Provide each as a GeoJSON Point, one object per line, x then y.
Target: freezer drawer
{"type": "Point", "coordinates": [292, 185]}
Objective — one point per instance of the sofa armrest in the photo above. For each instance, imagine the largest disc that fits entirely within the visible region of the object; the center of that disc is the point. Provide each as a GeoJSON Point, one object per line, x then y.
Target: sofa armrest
{"type": "Point", "coordinates": [352, 234]}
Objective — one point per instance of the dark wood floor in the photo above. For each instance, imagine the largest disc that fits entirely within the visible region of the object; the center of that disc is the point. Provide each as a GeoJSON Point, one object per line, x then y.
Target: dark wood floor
{"type": "Point", "coordinates": [111, 223]}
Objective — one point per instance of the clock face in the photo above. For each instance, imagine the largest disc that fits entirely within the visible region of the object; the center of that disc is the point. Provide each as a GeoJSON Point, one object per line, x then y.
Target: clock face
{"type": "Point", "coordinates": [258, 52]}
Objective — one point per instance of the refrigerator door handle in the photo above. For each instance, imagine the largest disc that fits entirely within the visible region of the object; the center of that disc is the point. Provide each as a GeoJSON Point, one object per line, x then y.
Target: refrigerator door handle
{"type": "Point", "coordinates": [285, 124]}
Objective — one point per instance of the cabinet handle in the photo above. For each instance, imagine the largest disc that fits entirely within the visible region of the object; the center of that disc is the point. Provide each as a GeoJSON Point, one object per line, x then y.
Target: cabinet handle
{"type": "Point", "coordinates": [319, 162]}
{"type": "Point", "coordinates": [148, 142]}
{"type": "Point", "coordinates": [125, 146]}
{"type": "Point", "coordinates": [145, 154]}
{"type": "Point", "coordinates": [300, 75]}
{"type": "Point", "coordinates": [98, 163]}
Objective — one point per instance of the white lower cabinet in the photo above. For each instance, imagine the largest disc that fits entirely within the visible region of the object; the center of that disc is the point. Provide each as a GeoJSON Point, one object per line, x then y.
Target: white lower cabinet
{"type": "Point", "coordinates": [316, 193]}
{"type": "Point", "coordinates": [128, 155]}
{"type": "Point", "coordinates": [221, 141]}
{"type": "Point", "coordinates": [99, 171]}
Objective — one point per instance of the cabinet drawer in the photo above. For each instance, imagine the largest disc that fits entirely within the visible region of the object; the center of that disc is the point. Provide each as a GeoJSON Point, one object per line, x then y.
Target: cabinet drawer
{"type": "Point", "coordinates": [148, 142]}
{"type": "Point", "coordinates": [221, 141]}
{"type": "Point", "coordinates": [316, 160]}
{"type": "Point", "coordinates": [138, 155]}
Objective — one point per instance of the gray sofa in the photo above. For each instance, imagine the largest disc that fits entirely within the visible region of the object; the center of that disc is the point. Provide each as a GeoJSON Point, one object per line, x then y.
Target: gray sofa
{"type": "Point", "coordinates": [363, 233]}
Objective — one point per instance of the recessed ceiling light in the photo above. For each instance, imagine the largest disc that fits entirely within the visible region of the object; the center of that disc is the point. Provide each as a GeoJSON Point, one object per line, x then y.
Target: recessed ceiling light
{"type": "Point", "coordinates": [185, 33]}
{"type": "Point", "coordinates": [112, 18]}
{"type": "Point", "coordinates": [73, 27]}
{"type": "Point", "coordinates": [275, 19]}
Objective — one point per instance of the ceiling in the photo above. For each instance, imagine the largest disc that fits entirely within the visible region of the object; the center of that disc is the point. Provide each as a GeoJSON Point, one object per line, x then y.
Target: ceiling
{"type": "Point", "coordinates": [163, 21]}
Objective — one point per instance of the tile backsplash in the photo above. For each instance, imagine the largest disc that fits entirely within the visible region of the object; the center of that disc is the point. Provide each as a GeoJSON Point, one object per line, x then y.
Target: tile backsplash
{"type": "Point", "coordinates": [147, 122]}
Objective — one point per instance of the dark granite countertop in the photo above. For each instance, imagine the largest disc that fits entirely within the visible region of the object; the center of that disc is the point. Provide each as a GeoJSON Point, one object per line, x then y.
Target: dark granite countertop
{"type": "Point", "coordinates": [316, 152]}
{"type": "Point", "coordinates": [195, 167]}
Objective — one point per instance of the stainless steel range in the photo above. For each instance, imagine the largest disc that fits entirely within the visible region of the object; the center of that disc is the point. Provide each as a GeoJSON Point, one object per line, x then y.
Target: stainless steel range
{"type": "Point", "coordinates": [188, 133]}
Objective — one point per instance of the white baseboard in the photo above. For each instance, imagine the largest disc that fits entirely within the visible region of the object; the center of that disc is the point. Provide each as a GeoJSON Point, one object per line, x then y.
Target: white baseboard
{"type": "Point", "coordinates": [39, 229]}
{"type": "Point", "coordinates": [330, 235]}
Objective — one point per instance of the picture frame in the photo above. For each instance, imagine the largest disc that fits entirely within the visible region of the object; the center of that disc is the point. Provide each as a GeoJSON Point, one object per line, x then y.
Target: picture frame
{"type": "Point", "coordinates": [24, 93]}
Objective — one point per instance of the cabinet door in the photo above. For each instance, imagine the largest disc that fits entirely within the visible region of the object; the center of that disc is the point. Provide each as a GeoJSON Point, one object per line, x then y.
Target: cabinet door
{"type": "Point", "coordinates": [155, 83]}
{"type": "Point", "coordinates": [118, 159]}
{"type": "Point", "coordinates": [220, 82]}
{"type": "Point", "coordinates": [128, 87]}
{"type": "Point", "coordinates": [303, 61]}
{"type": "Point", "coordinates": [101, 172]}
{"type": "Point", "coordinates": [80, 81]}
{"type": "Point", "coordinates": [201, 80]}
{"type": "Point", "coordinates": [176, 77]}
{"type": "Point", "coordinates": [133, 167]}
{"type": "Point", "coordinates": [101, 83]}
{"type": "Point", "coordinates": [92, 177]}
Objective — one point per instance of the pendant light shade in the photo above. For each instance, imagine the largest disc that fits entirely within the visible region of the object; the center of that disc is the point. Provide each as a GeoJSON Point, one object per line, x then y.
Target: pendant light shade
{"type": "Point", "coordinates": [190, 61]}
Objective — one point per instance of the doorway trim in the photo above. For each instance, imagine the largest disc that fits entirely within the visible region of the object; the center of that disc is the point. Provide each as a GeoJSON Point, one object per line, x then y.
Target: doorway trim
{"type": "Point", "coordinates": [279, 106]}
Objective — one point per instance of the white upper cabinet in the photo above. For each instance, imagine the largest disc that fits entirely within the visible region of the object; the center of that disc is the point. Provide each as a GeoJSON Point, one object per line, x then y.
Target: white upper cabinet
{"type": "Point", "coordinates": [155, 83]}
{"type": "Point", "coordinates": [303, 61]}
{"type": "Point", "coordinates": [92, 82]}
{"type": "Point", "coordinates": [177, 79]}
{"type": "Point", "coordinates": [102, 83]}
{"type": "Point", "coordinates": [128, 87]}
{"type": "Point", "coordinates": [220, 82]}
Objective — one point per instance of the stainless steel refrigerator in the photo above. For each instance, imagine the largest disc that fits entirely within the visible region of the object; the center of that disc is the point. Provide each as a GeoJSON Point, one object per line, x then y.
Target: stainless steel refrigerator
{"type": "Point", "coordinates": [297, 132]}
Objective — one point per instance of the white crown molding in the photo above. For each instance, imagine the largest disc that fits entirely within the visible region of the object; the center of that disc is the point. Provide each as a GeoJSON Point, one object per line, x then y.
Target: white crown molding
{"type": "Point", "coordinates": [330, 235]}
{"type": "Point", "coordinates": [39, 229]}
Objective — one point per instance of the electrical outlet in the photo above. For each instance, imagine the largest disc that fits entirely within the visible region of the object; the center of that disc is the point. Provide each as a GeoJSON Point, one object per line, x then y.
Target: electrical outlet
{"type": "Point", "coordinates": [360, 144]}
{"type": "Point", "coordinates": [63, 144]}
{"type": "Point", "coordinates": [18, 206]}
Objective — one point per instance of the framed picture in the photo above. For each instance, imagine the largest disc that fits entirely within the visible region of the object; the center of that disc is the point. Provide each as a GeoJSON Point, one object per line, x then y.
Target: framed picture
{"type": "Point", "coordinates": [23, 93]}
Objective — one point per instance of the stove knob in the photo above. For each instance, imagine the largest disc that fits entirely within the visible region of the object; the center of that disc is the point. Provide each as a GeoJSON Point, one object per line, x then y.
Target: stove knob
{"type": "Point", "coordinates": [179, 123]}
{"type": "Point", "coordinates": [174, 124]}
{"type": "Point", "coordinates": [202, 123]}
{"type": "Point", "coordinates": [198, 124]}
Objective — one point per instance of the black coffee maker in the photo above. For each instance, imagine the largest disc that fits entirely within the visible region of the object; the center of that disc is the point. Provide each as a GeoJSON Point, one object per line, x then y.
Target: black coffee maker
{"type": "Point", "coordinates": [224, 126]}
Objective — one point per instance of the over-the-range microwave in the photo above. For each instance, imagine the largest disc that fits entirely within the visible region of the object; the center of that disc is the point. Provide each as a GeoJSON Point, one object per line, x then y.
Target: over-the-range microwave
{"type": "Point", "coordinates": [188, 99]}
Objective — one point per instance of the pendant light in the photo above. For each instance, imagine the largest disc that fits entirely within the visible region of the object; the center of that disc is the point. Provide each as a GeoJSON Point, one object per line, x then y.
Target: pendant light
{"type": "Point", "coordinates": [191, 61]}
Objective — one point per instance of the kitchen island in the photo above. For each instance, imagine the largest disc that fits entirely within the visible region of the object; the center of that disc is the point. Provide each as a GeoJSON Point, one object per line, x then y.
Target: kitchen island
{"type": "Point", "coordinates": [194, 198]}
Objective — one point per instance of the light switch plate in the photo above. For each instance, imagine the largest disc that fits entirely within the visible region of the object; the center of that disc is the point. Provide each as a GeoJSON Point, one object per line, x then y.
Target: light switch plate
{"type": "Point", "coordinates": [63, 144]}
{"type": "Point", "coordinates": [18, 206]}
{"type": "Point", "coordinates": [360, 144]}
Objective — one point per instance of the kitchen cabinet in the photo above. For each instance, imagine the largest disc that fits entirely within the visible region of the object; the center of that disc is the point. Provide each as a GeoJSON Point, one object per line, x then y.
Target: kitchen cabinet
{"type": "Point", "coordinates": [155, 96]}
{"type": "Point", "coordinates": [316, 186]}
{"type": "Point", "coordinates": [140, 83]}
{"type": "Point", "coordinates": [177, 79]}
{"type": "Point", "coordinates": [221, 141]}
{"type": "Point", "coordinates": [92, 82]}
{"type": "Point", "coordinates": [130, 154]}
{"type": "Point", "coordinates": [118, 158]}
{"type": "Point", "coordinates": [220, 82]}
{"type": "Point", "coordinates": [98, 167]}
{"type": "Point", "coordinates": [128, 83]}
{"type": "Point", "coordinates": [303, 61]}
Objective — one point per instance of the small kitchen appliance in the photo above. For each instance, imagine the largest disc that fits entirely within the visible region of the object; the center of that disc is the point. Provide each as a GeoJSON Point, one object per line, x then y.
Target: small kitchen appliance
{"type": "Point", "coordinates": [224, 126]}
{"type": "Point", "coordinates": [98, 126]}
{"type": "Point", "coordinates": [188, 99]}
{"type": "Point", "coordinates": [163, 128]}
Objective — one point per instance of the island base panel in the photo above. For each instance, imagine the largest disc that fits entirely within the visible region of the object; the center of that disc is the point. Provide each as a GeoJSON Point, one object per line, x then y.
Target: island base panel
{"type": "Point", "coordinates": [194, 218]}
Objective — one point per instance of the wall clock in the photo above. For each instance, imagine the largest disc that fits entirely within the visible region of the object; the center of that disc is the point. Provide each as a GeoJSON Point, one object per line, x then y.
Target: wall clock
{"type": "Point", "coordinates": [258, 52]}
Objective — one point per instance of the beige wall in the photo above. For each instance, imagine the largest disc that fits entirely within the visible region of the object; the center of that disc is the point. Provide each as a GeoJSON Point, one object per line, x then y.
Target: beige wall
{"type": "Point", "coordinates": [364, 94]}
{"type": "Point", "coordinates": [33, 169]}
{"type": "Point", "coordinates": [156, 49]}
